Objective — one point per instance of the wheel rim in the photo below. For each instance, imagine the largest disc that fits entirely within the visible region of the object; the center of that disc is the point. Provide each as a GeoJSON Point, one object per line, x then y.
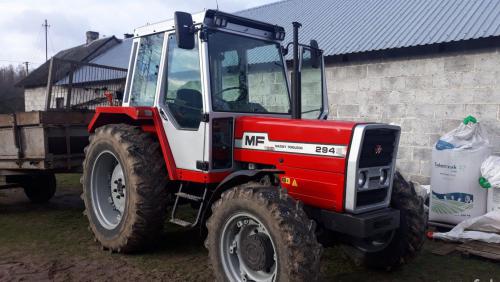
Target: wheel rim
{"type": "Point", "coordinates": [241, 259]}
{"type": "Point", "coordinates": [108, 192]}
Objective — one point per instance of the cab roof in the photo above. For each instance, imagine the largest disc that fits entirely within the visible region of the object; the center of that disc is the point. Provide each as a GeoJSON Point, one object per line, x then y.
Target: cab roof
{"type": "Point", "coordinates": [234, 22]}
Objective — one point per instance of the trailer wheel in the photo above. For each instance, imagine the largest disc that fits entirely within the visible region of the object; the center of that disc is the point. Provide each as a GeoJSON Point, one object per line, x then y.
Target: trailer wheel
{"type": "Point", "coordinates": [400, 246]}
{"type": "Point", "coordinates": [256, 234]}
{"type": "Point", "coordinates": [124, 187]}
{"type": "Point", "coordinates": [39, 188]}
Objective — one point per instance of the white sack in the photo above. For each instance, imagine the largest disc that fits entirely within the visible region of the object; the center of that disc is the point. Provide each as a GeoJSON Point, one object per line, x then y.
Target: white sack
{"type": "Point", "coordinates": [490, 170]}
{"type": "Point", "coordinates": [456, 167]}
{"type": "Point", "coordinates": [466, 136]}
{"type": "Point", "coordinates": [482, 228]}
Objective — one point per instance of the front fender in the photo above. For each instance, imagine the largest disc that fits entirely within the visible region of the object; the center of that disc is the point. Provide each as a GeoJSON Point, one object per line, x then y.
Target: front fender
{"type": "Point", "coordinates": [236, 178]}
{"type": "Point", "coordinates": [244, 176]}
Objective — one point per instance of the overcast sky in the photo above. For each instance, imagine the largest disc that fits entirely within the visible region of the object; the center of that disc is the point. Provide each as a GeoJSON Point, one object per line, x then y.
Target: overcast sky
{"type": "Point", "coordinates": [22, 35]}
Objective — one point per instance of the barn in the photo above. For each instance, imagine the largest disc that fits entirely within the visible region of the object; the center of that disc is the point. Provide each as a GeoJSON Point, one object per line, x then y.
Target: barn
{"type": "Point", "coordinates": [421, 64]}
{"type": "Point", "coordinates": [78, 78]}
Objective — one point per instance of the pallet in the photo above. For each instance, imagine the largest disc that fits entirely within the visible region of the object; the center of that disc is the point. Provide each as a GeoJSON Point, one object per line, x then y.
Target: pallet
{"type": "Point", "coordinates": [445, 249]}
{"type": "Point", "coordinates": [441, 224]}
{"type": "Point", "coordinates": [481, 249]}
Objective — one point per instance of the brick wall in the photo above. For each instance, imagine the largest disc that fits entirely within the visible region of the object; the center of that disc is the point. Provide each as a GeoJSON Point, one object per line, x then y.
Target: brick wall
{"type": "Point", "coordinates": [428, 96]}
{"type": "Point", "coordinates": [264, 85]}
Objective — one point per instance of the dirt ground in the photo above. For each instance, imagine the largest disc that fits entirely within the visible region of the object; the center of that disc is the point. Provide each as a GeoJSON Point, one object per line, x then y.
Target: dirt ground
{"type": "Point", "coordinates": [52, 242]}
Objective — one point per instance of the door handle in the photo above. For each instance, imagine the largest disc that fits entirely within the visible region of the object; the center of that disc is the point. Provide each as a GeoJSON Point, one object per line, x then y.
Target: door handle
{"type": "Point", "coordinates": [163, 115]}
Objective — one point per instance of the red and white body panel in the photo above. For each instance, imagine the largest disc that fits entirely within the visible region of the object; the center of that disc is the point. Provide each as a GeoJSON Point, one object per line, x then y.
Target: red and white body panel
{"type": "Point", "coordinates": [312, 153]}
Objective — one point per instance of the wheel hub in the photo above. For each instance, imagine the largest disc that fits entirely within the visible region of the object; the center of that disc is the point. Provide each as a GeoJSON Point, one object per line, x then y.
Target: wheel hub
{"type": "Point", "coordinates": [257, 252]}
{"type": "Point", "coordinates": [118, 188]}
{"type": "Point", "coordinates": [108, 192]}
{"type": "Point", "coordinates": [247, 249]}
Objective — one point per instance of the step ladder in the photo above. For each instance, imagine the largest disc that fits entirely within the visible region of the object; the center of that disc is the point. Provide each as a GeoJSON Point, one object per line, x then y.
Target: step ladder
{"type": "Point", "coordinates": [190, 197]}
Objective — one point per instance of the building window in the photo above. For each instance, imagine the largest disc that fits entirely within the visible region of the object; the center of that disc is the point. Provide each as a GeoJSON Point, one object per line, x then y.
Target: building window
{"type": "Point", "coordinates": [60, 103]}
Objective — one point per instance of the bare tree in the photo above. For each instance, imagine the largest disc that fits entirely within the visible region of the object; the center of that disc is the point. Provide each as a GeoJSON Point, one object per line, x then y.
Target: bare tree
{"type": "Point", "coordinates": [11, 97]}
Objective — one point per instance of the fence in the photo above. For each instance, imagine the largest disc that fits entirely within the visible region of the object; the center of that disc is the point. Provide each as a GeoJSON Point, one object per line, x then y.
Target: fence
{"type": "Point", "coordinates": [73, 85]}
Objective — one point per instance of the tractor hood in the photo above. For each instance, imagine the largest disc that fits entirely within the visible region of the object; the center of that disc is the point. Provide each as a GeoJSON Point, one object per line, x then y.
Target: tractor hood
{"type": "Point", "coordinates": [310, 144]}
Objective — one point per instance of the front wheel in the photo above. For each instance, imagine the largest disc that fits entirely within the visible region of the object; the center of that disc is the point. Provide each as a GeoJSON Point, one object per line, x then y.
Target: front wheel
{"type": "Point", "coordinates": [396, 247]}
{"type": "Point", "coordinates": [258, 234]}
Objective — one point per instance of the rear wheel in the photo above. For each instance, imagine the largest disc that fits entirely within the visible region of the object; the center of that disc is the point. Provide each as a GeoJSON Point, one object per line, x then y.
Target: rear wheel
{"type": "Point", "coordinates": [124, 181]}
{"type": "Point", "coordinates": [256, 234]}
{"type": "Point", "coordinates": [396, 247]}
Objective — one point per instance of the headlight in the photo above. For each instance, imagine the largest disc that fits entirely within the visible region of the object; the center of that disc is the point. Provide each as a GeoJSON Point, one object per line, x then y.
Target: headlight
{"type": "Point", "coordinates": [383, 176]}
{"type": "Point", "coordinates": [362, 179]}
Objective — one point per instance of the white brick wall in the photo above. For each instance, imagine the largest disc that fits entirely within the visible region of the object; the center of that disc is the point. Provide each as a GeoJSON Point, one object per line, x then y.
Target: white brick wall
{"type": "Point", "coordinates": [34, 99]}
{"type": "Point", "coordinates": [427, 96]}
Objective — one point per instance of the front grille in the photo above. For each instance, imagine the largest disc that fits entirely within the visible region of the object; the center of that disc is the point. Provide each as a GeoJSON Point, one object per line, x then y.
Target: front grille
{"type": "Point", "coordinates": [365, 198]}
{"type": "Point", "coordinates": [378, 147]}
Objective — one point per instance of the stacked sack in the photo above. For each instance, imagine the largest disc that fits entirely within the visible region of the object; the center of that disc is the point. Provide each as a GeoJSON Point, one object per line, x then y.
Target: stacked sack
{"type": "Point", "coordinates": [490, 179]}
{"type": "Point", "coordinates": [456, 194]}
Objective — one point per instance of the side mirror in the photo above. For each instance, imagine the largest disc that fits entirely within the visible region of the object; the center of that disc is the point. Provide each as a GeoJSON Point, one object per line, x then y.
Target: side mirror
{"type": "Point", "coordinates": [184, 30]}
{"type": "Point", "coordinates": [315, 54]}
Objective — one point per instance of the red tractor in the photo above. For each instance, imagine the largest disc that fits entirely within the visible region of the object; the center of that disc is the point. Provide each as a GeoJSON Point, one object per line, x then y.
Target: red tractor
{"type": "Point", "coordinates": [208, 122]}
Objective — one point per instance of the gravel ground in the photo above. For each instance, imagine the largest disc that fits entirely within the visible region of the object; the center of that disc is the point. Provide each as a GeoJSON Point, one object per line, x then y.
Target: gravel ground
{"type": "Point", "coordinates": [51, 242]}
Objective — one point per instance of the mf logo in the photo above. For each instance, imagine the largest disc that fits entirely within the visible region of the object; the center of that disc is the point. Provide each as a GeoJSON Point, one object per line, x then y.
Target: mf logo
{"type": "Point", "coordinates": [254, 140]}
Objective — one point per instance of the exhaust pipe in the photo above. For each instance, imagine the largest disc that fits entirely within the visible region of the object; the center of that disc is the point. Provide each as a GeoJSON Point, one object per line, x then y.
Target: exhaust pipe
{"type": "Point", "coordinates": [296, 84]}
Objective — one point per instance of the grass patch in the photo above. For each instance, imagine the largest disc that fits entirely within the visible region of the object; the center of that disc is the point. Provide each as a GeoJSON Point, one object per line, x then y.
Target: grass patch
{"type": "Point", "coordinates": [69, 181]}
{"type": "Point", "coordinates": [59, 229]}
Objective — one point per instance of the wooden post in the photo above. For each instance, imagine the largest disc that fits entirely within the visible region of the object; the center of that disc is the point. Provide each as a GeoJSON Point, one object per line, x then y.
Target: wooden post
{"type": "Point", "coordinates": [70, 86]}
{"type": "Point", "coordinates": [48, 95]}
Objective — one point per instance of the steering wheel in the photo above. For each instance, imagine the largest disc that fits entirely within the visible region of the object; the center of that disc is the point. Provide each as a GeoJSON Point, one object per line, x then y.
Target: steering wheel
{"type": "Point", "coordinates": [227, 89]}
{"type": "Point", "coordinates": [223, 104]}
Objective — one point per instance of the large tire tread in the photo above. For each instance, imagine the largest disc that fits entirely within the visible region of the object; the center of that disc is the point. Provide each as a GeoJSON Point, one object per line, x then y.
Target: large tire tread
{"type": "Point", "coordinates": [148, 178]}
{"type": "Point", "coordinates": [408, 240]}
{"type": "Point", "coordinates": [297, 230]}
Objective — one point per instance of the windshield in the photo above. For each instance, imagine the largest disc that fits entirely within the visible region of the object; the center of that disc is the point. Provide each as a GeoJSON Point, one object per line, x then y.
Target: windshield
{"type": "Point", "coordinates": [246, 75]}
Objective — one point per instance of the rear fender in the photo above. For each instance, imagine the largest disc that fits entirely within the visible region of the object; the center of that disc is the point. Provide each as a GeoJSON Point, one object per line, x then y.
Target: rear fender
{"type": "Point", "coordinates": [140, 116]}
{"type": "Point", "coordinates": [148, 118]}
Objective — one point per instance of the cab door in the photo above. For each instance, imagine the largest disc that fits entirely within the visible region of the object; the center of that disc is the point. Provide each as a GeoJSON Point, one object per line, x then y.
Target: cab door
{"type": "Point", "coordinates": [313, 84]}
{"type": "Point", "coordinates": [181, 104]}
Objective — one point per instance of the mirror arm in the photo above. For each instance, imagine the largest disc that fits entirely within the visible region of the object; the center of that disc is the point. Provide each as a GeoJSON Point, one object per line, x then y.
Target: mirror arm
{"type": "Point", "coordinates": [296, 87]}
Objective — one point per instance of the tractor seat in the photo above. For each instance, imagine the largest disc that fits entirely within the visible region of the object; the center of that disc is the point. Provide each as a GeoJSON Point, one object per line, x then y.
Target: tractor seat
{"type": "Point", "coordinates": [187, 108]}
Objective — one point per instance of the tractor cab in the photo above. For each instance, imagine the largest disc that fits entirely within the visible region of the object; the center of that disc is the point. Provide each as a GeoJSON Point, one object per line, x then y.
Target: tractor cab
{"type": "Point", "coordinates": [201, 72]}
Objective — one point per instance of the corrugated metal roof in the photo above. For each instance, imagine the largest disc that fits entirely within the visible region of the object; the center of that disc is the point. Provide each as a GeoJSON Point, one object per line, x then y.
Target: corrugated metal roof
{"type": "Point", "coordinates": [81, 53]}
{"type": "Point", "coordinates": [352, 26]}
{"type": "Point", "coordinates": [118, 56]}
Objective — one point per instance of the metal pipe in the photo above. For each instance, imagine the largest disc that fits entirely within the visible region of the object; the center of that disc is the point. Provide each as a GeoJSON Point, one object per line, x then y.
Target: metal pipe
{"type": "Point", "coordinates": [296, 86]}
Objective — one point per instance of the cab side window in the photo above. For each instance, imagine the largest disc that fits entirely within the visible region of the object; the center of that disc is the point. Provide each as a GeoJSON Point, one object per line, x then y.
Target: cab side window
{"type": "Point", "coordinates": [183, 97]}
{"type": "Point", "coordinates": [146, 70]}
{"type": "Point", "coordinates": [312, 87]}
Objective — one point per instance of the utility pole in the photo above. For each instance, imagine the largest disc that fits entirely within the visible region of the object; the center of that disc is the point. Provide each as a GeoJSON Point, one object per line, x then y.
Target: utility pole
{"type": "Point", "coordinates": [46, 26]}
{"type": "Point", "coordinates": [27, 68]}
